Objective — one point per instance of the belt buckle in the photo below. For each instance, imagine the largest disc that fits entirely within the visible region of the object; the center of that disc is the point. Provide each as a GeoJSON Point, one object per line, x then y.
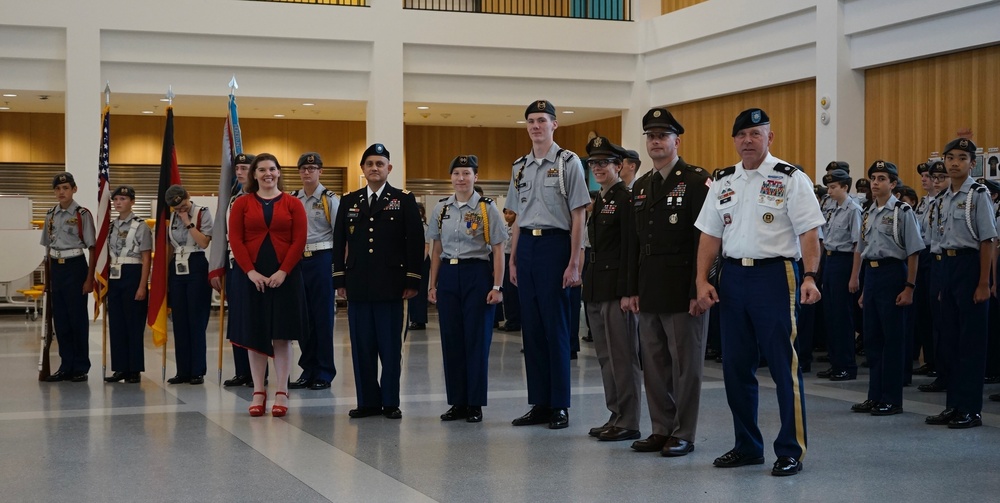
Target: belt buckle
{"type": "Point", "coordinates": [60, 261]}
{"type": "Point", "coordinates": [307, 253]}
{"type": "Point", "coordinates": [829, 253]}
{"type": "Point", "coordinates": [536, 232]}
{"type": "Point", "coordinates": [937, 256]}
{"type": "Point", "coordinates": [873, 263]}
{"type": "Point", "coordinates": [746, 262]}
{"type": "Point", "coordinates": [453, 261]}
{"type": "Point", "coordinates": [951, 253]}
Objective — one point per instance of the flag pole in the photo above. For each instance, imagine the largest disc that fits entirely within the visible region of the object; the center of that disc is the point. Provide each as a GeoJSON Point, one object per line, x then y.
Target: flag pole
{"type": "Point", "coordinates": [163, 357]}
{"type": "Point", "coordinates": [104, 317]}
{"type": "Point", "coordinates": [233, 86]}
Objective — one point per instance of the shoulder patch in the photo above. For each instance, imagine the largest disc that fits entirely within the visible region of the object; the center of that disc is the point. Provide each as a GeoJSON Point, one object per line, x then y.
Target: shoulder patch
{"type": "Point", "coordinates": [724, 172]}
{"type": "Point", "coordinates": [785, 168]}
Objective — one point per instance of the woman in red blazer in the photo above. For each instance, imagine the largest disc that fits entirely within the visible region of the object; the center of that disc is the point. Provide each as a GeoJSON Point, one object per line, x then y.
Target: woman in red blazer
{"type": "Point", "coordinates": [267, 233]}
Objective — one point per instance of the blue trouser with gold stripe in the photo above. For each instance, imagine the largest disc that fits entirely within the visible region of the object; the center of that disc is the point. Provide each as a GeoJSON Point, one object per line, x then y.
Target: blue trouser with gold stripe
{"type": "Point", "coordinates": [964, 325]}
{"type": "Point", "coordinates": [466, 329]}
{"type": "Point", "coordinates": [126, 320]}
{"type": "Point", "coordinates": [317, 345]}
{"type": "Point", "coordinates": [757, 311]}
{"type": "Point", "coordinates": [376, 336]}
{"type": "Point", "coordinates": [885, 330]}
{"type": "Point", "coordinates": [69, 313]}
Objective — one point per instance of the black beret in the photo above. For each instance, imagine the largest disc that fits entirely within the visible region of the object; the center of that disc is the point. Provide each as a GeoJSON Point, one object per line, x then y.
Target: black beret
{"type": "Point", "coordinates": [751, 117]}
{"type": "Point", "coordinates": [64, 177]}
{"type": "Point", "coordinates": [862, 182]}
{"type": "Point", "coordinates": [881, 166]}
{"type": "Point", "coordinates": [960, 144]}
{"type": "Point", "coordinates": [175, 195]}
{"type": "Point", "coordinates": [632, 155]}
{"type": "Point", "coordinates": [993, 186]}
{"type": "Point", "coordinates": [124, 190]}
{"type": "Point", "coordinates": [375, 149]}
{"type": "Point", "coordinates": [310, 158]}
{"type": "Point", "coordinates": [244, 158]}
{"type": "Point", "coordinates": [661, 118]}
{"type": "Point", "coordinates": [837, 175]}
{"type": "Point", "coordinates": [464, 161]}
{"type": "Point", "coordinates": [938, 168]}
{"type": "Point", "coordinates": [540, 106]}
{"type": "Point", "coordinates": [819, 190]}
{"type": "Point", "coordinates": [600, 145]}
{"type": "Point", "coordinates": [923, 168]}
{"type": "Point", "coordinates": [838, 165]}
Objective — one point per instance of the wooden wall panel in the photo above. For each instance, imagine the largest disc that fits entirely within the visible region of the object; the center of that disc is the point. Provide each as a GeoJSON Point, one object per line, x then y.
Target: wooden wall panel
{"type": "Point", "coordinates": [708, 125]}
{"type": "Point", "coordinates": [915, 108]}
{"type": "Point", "coordinates": [15, 142]}
{"type": "Point", "coordinates": [667, 6]}
{"type": "Point", "coordinates": [138, 139]}
{"type": "Point", "coordinates": [48, 138]}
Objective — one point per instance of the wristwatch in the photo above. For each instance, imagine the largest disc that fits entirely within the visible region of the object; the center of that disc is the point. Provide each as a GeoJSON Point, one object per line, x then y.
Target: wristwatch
{"type": "Point", "coordinates": [498, 288]}
{"type": "Point", "coordinates": [812, 275]}
{"type": "Point", "coordinates": [190, 226]}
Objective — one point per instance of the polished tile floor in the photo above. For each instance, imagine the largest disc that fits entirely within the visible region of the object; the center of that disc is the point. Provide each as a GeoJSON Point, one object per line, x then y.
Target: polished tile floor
{"type": "Point", "coordinates": [97, 442]}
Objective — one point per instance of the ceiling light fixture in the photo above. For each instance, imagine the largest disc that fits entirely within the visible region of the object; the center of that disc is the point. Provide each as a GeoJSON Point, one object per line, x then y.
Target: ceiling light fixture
{"type": "Point", "coordinates": [9, 95]}
{"type": "Point", "coordinates": [423, 108]}
{"type": "Point", "coordinates": [279, 115]}
{"type": "Point", "coordinates": [308, 104]}
{"type": "Point", "coordinates": [147, 111]}
{"type": "Point", "coordinates": [568, 112]}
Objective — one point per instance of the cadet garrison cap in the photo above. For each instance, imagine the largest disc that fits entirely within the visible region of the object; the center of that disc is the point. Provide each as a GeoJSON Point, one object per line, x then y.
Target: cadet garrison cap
{"type": "Point", "coordinates": [960, 144]}
{"type": "Point", "coordinates": [64, 177]}
{"type": "Point", "coordinates": [751, 117]}
{"type": "Point", "coordinates": [923, 168]}
{"type": "Point", "coordinates": [881, 166]}
{"type": "Point", "coordinates": [937, 168]}
{"type": "Point", "coordinates": [600, 145]}
{"type": "Point", "coordinates": [244, 158]}
{"type": "Point", "coordinates": [311, 158]}
{"type": "Point", "coordinates": [175, 195]}
{"type": "Point", "coordinates": [465, 161]}
{"type": "Point", "coordinates": [543, 106]}
{"type": "Point", "coordinates": [124, 190]}
{"type": "Point", "coordinates": [375, 149]}
{"type": "Point", "coordinates": [838, 165]}
{"type": "Point", "coordinates": [992, 185]}
{"type": "Point", "coordinates": [837, 175]}
{"type": "Point", "coordinates": [661, 118]}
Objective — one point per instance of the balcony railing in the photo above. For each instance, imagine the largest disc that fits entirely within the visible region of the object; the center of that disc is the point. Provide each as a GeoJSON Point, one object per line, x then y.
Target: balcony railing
{"type": "Point", "coordinates": [354, 3]}
{"type": "Point", "coordinates": [616, 10]}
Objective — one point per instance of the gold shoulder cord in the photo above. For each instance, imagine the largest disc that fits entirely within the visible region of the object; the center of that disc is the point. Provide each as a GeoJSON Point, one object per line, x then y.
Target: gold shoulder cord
{"type": "Point", "coordinates": [486, 221]}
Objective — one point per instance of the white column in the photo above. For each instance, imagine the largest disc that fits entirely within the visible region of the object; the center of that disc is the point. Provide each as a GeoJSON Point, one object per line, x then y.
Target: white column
{"type": "Point", "coordinates": [843, 137]}
{"type": "Point", "coordinates": [632, 117]}
{"type": "Point", "coordinates": [385, 92]}
{"type": "Point", "coordinates": [83, 109]}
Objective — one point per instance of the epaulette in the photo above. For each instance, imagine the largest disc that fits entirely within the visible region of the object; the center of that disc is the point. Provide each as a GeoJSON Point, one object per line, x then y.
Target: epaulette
{"type": "Point", "coordinates": [83, 211]}
{"type": "Point", "coordinates": [404, 191]}
{"type": "Point", "coordinates": [519, 159]}
{"type": "Point", "coordinates": [978, 187]}
{"type": "Point", "coordinates": [642, 177]}
{"type": "Point", "coordinates": [698, 169]}
{"type": "Point", "coordinates": [724, 172]}
{"type": "Point", "coordinates": [902, 205]}
{"type": "Point", "coordinates": [785, 168]}
{"type": "Point", "coordinates": [487, 200]}
{"type": "Point", "coordinates": [294, 193]}
{"type": "Point", "coordinates": [52, 210]}
{"type": "Point", "coordinates": [443, 199]}
{"type": "Point", "coordinates": [568, 155]}
{"type": "Point", "coordinates": [329, 193]}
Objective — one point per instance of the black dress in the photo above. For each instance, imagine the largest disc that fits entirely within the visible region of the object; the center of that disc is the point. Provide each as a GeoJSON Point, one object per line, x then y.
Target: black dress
{"type": "Point", "coordinates": [276, 313]}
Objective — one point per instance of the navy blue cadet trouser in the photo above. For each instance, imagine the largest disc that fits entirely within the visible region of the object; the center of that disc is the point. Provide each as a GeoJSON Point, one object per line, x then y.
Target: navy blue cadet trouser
{"type": "Point", "coordinates": [190, 303]}
{"type": "Point", "coordinates": [757, 311]}
{"type": "Point", "coordinates": [885, 330]}
{"type": "Point", "coordinates": [511, 301]}
{"type": "Point", "coordinates": [237, 284]}
{"type": "Point", "coordinates": [964, 325]}
{"type": "Point", "coordinates": [545, 305]}
{"type": "Point", "coordinates": [466, 329]}
{"type": "Point", "coordinates": [376, 335]}
{"type": "Point", "coordinates": [126, 320]}
{"type": "Point", "coordinates": [69, 313]}
{"type": "Point", "coordinates": [923, 328]}
{"type": "Point", "coordinates": [317, 344]}
{"type": "Point", "coordinates": [839, 312]}
{"type": "Point", "coordinates": [942, 350]}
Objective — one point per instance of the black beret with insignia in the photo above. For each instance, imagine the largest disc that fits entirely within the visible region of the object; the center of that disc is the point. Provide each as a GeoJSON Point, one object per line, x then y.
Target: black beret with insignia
{"type": "Point", "coordinates": [375, 149]}
{"type": "Point", "coordinates": [960, 144]}
{"type": "Point", "coordinates": [881, 166]}
{"type": "Point", "coordinates": [124, 190]}
{"type": "Point", "coordinates": [837, 175]}
{"type": "Point", "coordinates": [543, 106]}
{"type": "Point", "coordinates": [923, 168]}
{"type": "Point", "coordinates": [751, 117]}
{"type": "Point", "coordinates": [992, 185]}
{"type": "Point", "coordinates": [64, 177]}
{"type": "Point", "coordinates": [310, 158]}
{"type": "Point", "coordinates": [661, 118]}
{"type": "Point", "coordinates": [937, 168]}
{"type": "Point", "coordinates": [244, 158]}
{"type": "Point", "coordinates": [838, 165]}
{"type": "Point", "coordinates": [175, 195]}
{"type": "Point", "coordinates": [465, 161]}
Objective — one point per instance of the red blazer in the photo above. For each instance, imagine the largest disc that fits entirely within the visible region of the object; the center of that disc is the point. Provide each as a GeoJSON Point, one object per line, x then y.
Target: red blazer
{"type": "Point", "coordinates": [247, 230]}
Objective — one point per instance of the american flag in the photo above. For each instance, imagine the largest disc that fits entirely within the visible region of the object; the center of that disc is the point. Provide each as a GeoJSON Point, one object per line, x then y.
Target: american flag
{"type": "Point", "coordinates": [103, 217]}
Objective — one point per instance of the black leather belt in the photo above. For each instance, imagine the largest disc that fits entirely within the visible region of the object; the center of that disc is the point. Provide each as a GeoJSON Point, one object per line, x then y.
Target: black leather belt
{"type": "Point", "coordinates": [831, 253]}
{"type": "Point", "coordinates": [459, 261]}
{"type": "Point", "coordinates": [542, 232]}
{"type": "Point", "coordinates": [883, 262]}
{"type": "Point", "coordinates": [755, 262]}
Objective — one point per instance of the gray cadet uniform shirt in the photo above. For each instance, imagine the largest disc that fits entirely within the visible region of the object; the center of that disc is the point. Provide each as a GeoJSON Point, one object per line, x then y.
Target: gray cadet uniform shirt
{"type": "Point", "coordinates": [69, 229]}
{"type": "Point", "coordinates": [460, 228]}
{"type": "Point", "coordinates": [320, 221]}
{"type": "Point", "coordinates": [889, 232]}
{"type": "Point", "coordinates": [923, 209]}
{"type": "Point", "coordinates": [118, 238]}
{"type": "Point", "coordinates": [843, 226]}
{"type": "Point", "coordinates": [955, 213]}
{"type": "Point", "coordinates": [543, 195]}
{"type": "Point", "coordinates": [179, 236]}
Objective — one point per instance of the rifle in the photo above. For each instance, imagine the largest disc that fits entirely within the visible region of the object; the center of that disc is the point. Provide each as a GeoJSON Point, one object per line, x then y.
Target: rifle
{"type": "Point", "coordinates": [47, 329]}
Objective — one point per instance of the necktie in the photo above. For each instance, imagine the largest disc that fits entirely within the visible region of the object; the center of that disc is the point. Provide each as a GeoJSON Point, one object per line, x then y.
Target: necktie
{"type": "Point", "coordinates": [371, 202]}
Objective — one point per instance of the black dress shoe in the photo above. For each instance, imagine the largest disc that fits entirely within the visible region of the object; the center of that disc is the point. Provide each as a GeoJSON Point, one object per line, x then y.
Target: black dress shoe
{"type": "Point", "coordinates": [676, 447]}
{"type": "Point", "coordinates": [364, 412]}
{"type": "Point", "coordinates": [932, 373]}
{"type": "Point", "coordinates": [237, 380]}
{"type": "Point", "coordinates": [559, 419]}
{"type": "Point", "coordinates": [572, 355]}
{"type": "Point", "coordinates": [58, 376]}
{"type": "Point", "coordinates": [197, 380]}
{"type": "Point", "coordinates": [843, 375]}
{"type": "Point", "coordinates": [318, 385]}
{"type": "Point", "coordinates": [178, 379]}
{"type": "Point", "coordinates": [392, 413]}
{"type": "Point", "coordinates": [825, 374]}
{"type": "Point", "coordinates": [995, 398]}
{"type": "Point", "coordinates": [933, 387]}
{"type": "Point", "coordinates": [456, 412]}
{"type": "Point", "coordinates": [886, 409]}
{"type": "Point", "coordinates": [595, 432]}
{"type": "Point", "coordinates": [734, 458]}
{"type": "Point", "coordinates": [475, 415]}
{"type": "Point", "coordinates": [963, 420]}
{"type": "Point", "coordinates": [991, 380]}
{"type": "Point", "coordinates": [786, 465]}
{"type": "Point", "coordinates": [653, 443]}
{"type": "Point", "coordinates": [922, 370]}
{"type": "Point", "coordinates": [865, 406]}
{"type": "Point", "coordinates": [82, 377]}
{"type": "Point", "coordinates": [300, 383]}
{"type": "Point", "coordinates": [943, 418]}
{"type": "Point", "coordinates": [510, 327]}
{"type": "Point", "coordinates": [417, 326]}
{"type": "Point", "coordinates": [537, 415]}
{"type": "Point", "coordinates": [614, 434]}
{"type": "Point", "coordinates": [116, 377]}
{"type": "Point", "coordinates": [587, 338]}
{"type": "Point", "coordinates": [133, 378]}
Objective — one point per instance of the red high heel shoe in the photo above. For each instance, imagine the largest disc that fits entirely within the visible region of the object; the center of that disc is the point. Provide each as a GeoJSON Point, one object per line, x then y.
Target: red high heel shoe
{"type": "Point", "coordinates": [258, 410]}
{"type": "Point", "coordinates": [279, 410]}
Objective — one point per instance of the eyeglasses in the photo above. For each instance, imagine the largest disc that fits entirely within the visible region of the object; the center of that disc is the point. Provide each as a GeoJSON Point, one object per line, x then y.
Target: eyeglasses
{"type": "Point", "coordinates": [309, 169]}
{"type": "Point", "coordinates": [593, 163]}
{"type": "Point", "coordinates": [939, 178]}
